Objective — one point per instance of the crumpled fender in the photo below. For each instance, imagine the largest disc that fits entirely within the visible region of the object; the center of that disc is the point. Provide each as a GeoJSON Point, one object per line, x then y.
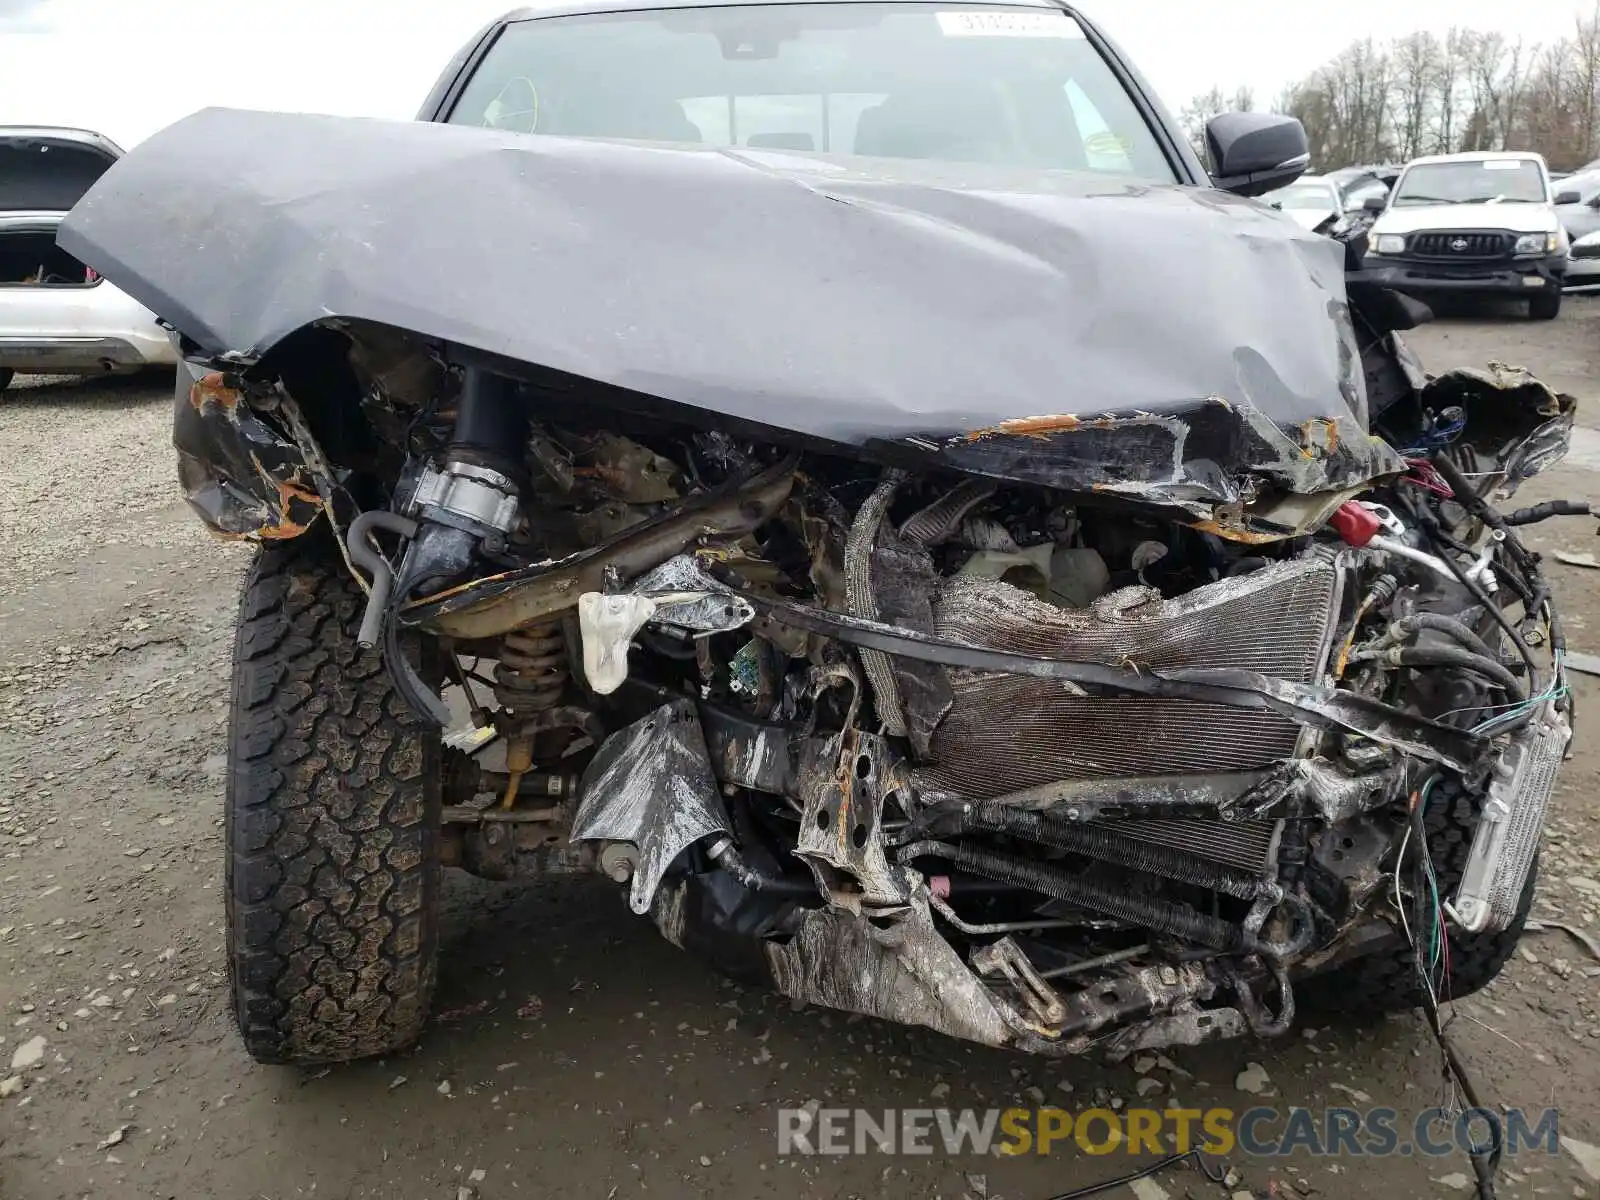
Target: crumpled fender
{"type": "Point", "coordinates": [246, 480]}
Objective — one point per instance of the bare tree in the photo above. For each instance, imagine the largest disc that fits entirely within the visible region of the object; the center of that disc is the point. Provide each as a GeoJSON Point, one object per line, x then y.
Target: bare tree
{"type": "Point", "coordinates": [1452, 60]}
{"type": "Point", "coordinates": [1586, 82]}
{"type": "Point", "coordinates": [1513, 82]}
{"type": "Point", "coordinates": [1469, 90]}
{"type": "Point", "coordinates": [1416, 60]}
{"type": "Point", "coordinates": [1195, 116]}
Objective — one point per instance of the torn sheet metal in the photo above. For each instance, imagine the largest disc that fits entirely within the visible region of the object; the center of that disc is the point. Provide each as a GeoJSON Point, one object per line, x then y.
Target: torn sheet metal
{"type": "Point", "coordinates": [1132, 992]}
{"type": "Point", "coordinates": [1193, 1028]}
{"type": "Point", "coordinates": [843, 781]}
{"type": "Point", "coordinates": [244, 478]}
{"type": "Point", "coordinates": [900, 970]}
{"type": "Point", "coordinates": [1516, 426]}
{"type": "Point", "coordinates": [688, 599]}
{"type": "Point", "coordinates": [651, 786]}
{"type": "Point", "coordinates": [977, 312]}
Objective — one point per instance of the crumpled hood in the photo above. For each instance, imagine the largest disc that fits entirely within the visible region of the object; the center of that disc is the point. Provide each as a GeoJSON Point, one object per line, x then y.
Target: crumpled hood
{"type": "Point", "coordinates": [1176, 344]}
{"type": "Point", "coordinates": [1516, 218]}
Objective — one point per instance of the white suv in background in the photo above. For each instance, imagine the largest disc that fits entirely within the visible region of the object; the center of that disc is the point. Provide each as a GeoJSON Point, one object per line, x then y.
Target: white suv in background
{"type": "Point", "coordinates": [1481, 223]}
{"type": "Point", "coordinates": [57, 317]}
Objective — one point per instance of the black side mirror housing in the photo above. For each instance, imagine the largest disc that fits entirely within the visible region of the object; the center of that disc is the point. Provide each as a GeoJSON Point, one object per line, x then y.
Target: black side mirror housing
{"type": "Point", "coordinates": [1594, 200]}
{"type": "Point", "coordinates": [1375, 205]}
{"type": "Point", "coordinates": [1568, 198]}
{"type": "Point", "coordinates": [1254, 153]}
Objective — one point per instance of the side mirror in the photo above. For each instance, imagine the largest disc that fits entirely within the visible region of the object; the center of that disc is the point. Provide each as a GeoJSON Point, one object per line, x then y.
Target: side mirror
{"type": "Point", "coordinates": [1568, 198]}
{"type": "Point", "coordinates": [1594, 200]}
{"type": "Point", "coordinates": [1375, 205]}
{"type": "Point", "coordinates": [1253, 153]}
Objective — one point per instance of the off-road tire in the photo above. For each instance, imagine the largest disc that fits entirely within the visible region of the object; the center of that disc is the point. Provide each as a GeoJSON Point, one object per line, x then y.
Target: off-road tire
{"type": "Point", "coordinates": [6, 376]}
{"type": "Point", "coordinates": [332, 824]}
{"type": "Point", "coordinates": [1386, 981]}
{"type": "Point", "coordinates": [1545, 307]}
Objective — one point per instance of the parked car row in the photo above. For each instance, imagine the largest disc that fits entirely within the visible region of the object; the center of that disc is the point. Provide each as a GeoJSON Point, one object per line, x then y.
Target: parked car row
{"type": "Point", "coordinates": [57, 316]}
{"type": "Point", "coordinates": [1579, 211]}
{"type": "Point", "coordinates": [1482, 223]}
{"type": "Point", "coordinates": [1474, 224]}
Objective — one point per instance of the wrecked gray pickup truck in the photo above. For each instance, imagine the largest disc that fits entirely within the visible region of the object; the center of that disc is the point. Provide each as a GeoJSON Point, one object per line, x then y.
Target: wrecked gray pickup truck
{"type": "Point", "coordinates": [842, 472]}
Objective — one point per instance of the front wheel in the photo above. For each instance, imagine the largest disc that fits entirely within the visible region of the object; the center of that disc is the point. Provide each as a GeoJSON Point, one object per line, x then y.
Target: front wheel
{"type": "Point", "coordinates": [6, 376]}
{"type": "Point", "coordinates": [332, 824]}
{"type": "Point", "coordinates": [1387, 981]}
{"type": "Point", "coordinates": [1545, 307]}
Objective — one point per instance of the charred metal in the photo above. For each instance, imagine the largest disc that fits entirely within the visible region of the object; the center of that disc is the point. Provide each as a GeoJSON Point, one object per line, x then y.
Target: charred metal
{"type": "Point", "coordinates": [245, 478]}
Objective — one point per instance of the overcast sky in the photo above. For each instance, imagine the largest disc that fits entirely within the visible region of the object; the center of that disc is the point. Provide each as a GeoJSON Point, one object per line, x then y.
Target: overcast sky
{"type": "Point", "coordinates": [128, 67]}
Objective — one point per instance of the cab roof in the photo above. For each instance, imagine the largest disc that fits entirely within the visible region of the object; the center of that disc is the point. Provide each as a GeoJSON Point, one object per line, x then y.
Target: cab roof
{"type": "Point", "coordinates": [1477, 156]}
{"type": "Point", "coordinates": [580, 7]}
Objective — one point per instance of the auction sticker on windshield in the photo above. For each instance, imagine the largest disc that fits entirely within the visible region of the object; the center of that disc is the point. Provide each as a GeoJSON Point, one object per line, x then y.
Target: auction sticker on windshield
{"type": "Point", "coordinates": [1009, 24]}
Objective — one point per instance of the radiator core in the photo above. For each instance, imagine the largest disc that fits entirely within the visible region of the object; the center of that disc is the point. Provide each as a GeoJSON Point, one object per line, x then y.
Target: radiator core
{"type": "Point", "coordinates": [1005, 733]}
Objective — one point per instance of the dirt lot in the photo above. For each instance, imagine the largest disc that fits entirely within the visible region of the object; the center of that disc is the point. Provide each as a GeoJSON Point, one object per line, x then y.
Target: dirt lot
{"type": "Point", "coordinates": [575, 1053]}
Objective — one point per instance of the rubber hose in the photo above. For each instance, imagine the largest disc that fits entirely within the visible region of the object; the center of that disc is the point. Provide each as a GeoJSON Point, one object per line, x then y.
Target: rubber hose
{"type": "Point", "coordinates": [727, 856]}
{"type": "Point", "coordinates": [1449, 656]}
{"type": "Point", "coordinates": [1407, 628]}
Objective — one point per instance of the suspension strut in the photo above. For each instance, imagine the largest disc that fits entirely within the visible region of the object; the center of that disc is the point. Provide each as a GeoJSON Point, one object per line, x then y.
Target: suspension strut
{"type": "Point", "coordinates": [533, 669]}
{"type": "Point", "coordinates": [528, 682]}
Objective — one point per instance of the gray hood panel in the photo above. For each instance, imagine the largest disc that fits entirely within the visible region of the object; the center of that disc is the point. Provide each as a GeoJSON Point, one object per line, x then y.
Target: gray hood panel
{"type": "Point", "coordinates": [1180, 344]}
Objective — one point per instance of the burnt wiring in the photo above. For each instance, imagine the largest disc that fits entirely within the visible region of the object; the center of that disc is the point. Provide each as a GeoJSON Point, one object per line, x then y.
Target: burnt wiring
{"type": "Point", "coordinates": [1430, 528]}
{"type": "Point", "coordinates": [1533, 589]}
{"type": "Point", "coordinates": [1428, 936]}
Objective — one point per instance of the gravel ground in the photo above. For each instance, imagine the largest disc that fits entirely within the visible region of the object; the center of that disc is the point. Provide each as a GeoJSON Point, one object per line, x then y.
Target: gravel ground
{"type": "Point", "coordinates": [574, 1053]}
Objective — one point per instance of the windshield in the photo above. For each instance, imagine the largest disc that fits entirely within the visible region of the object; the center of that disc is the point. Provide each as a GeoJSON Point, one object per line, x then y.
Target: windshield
{"type": "Point", "coordinates": [1585, 183]}
{"type": "Point", "coordinates": [1492, 180]}
{"type": "Point", "coordinates": [1315, 197]}
{"type": "Point", "coordinates": [1019, 87]}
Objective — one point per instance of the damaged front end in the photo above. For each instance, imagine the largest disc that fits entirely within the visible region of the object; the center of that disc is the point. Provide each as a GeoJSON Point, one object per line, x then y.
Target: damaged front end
{"type": "Point", "coordinates": [815, 618]}
{"type": "Point", "coordinates": [1039, 768]}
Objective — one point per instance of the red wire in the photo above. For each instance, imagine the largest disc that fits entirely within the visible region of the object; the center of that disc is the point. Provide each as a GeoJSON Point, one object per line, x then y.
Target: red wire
{"type": "Point", "coordinates": [1425, 475]}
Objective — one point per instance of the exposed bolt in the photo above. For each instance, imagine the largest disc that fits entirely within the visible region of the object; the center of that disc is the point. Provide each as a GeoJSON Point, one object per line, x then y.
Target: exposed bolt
{"type": "Point", "coordinates": [1169, 976]}
{"type": "Point", "coordinates": [616, 862]}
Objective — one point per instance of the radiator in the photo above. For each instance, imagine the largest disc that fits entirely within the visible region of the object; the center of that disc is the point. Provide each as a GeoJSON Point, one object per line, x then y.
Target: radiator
{"type": "Point", "coordinates": [1005, 733]}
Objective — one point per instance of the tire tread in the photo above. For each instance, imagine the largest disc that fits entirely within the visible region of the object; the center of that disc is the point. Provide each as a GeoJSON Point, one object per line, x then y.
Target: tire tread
{"type": "Point", "coordinates": [332, 818]}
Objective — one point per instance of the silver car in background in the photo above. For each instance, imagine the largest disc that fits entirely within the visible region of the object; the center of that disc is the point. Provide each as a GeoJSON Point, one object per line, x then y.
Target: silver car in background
{"type": "Point", "coordinates": [58, 317]}
{"type": "Point", "coordinates": [1310, 201]}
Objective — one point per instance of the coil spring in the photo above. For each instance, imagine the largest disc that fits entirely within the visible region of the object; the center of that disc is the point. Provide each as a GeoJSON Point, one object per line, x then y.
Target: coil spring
{"type": "Point", "coordinates": [532, 673]}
